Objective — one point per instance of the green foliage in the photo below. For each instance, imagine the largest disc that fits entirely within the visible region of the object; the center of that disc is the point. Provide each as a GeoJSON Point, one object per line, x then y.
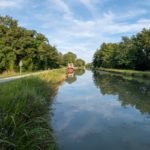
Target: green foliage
{"type": "Point", "coordinates": [69, 58]}
{"type": "Point", "coordinates": [134, 73]}
{"type": "Point", "coordinates": [129, 91]}
{"type": "Point", "coordinates": [79, 63]}
{"type": "Point", "coordinates": [60, 59]}
{"type": "Point", "coordinates": [130, 53]}
{"type": "Point", "coordinates": [17, 43]}
{"type": "Point", "coordinates": [24, 113]}
{"type": "Point", "coordinates": [89, 65]}
{"type": "Point", "coordinates": [73, 77]}
{"type": "Point", "coordinates": [32, 48]}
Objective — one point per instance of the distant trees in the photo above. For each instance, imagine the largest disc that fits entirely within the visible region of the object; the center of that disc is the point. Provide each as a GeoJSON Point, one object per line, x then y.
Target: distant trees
{"type": "Point", "coordinates": [79, 63]}
{"type": "Point", "coordinates": [32, 48]}
{"type": "Point", "coordinates": [89, 65]}
{"type": "Point", "coordinates": [130, 53]}
{"type": "Point", "coordinates": [70, 57]}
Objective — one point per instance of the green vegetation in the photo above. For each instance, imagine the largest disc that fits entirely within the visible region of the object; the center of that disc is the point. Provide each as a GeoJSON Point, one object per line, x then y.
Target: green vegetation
{"type": "Point", "coordinates": [24, 112]}
{"type": "Point", "coordinates": [79, 63]}
{"type": "Point", "coordinates": [130, 92]}
{"type": "Point", "coordinates": [19, 44]}
{"type": "Point", "coordinates": [73, 77]}
{"type": "Point", "coordinates": [6, 74]}
{"type": "Point", "coordinates": [131, 53]}
{"type": "Point", "coordinates": [69, 58]}
{"type": "Point", "coordinates": [72, 58]}
{"type": "Point", "coordinates": [32, 48]}
{"type": "Point", "coordinates": [134, 73]}
{"type": "Point", "coordinates": [9, 74]}
{"type": "Point", "coordinates": [89, 65]}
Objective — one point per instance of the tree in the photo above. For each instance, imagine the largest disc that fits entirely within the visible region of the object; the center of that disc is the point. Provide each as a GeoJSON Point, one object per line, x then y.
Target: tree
{"type": "Point", "coordinates": [79, 63]}
{"type": "Point", "coordinates": [32, 48]}
{"type": "Point", "coordinates": [17, 43]}
{"type": "Point", "coordinates": [142, 43]}
{"type": "Point", "coordinates": [69, 58]}
{"type": "Point", "coordinates": [106, 56]}
{"type": "Point", "coordinates": [130, 53]}
{"type": "Point", "coordinates": [126, 55]}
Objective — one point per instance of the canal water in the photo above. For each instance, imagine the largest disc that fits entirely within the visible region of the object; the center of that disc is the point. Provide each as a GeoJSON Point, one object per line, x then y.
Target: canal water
{"type": "Point", "coordinates": [100, 111]}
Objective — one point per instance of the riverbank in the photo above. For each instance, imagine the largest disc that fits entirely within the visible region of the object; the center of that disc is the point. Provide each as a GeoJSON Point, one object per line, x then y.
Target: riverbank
{"type": "Point", "coordinates": [8, 74]}
{"type": "Point", "coordinates": [2, 80]}
{"type": "Point", "coordinates": [24, 111]}
{"type": "Point", "coordinates": [133, 73]}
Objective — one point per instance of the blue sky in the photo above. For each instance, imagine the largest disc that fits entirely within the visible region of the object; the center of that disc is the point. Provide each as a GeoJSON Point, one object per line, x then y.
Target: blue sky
{"type": "Point", "coordinates": [80, 25]}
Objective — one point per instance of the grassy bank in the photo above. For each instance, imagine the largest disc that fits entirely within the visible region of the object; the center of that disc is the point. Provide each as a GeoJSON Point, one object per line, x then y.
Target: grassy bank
{"type": "Point", "coordinates": [24, 112]}
{"type": "Point", "coordinates": [133, 73]}
{"type": "Point", "coordinates": [9, 74]}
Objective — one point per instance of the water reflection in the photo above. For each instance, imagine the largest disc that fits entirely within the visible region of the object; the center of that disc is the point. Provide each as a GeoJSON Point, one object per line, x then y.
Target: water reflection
{"type": "Point", "coordinates": [130, 92]}
{"type": "Point", "coordinates": [79, 72]}
{"type": "Point", "coordinates": [107, 113]}
{"type": "Point", "coordinates": [72, 77]}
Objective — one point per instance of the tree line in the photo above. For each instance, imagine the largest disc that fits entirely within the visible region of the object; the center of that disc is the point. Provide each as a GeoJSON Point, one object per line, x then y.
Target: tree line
{"type": "Point", "coordinates": [131, 53]}
{"type": "Point", "coordinates": [32, 48]}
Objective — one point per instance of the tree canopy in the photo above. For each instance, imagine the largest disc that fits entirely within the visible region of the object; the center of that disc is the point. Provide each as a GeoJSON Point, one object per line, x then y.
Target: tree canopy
{"type": "Point", "coordinates": [19, 44]}
{"type": "Point", "coordinates": [70, 57]}
{"type": "Point", "coordinates": [79, 62]}
{"type": "Point", "coordinates": [130, 53]}
{"type": "Point", "coordinates": [32, 48]}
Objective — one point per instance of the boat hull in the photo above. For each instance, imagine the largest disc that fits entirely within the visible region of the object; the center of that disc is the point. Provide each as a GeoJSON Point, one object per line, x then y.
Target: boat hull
{"type": "Point", "coordinates": [70, 70]}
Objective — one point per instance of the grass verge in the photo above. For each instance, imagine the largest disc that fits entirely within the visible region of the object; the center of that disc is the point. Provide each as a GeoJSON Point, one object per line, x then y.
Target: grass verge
{"type": "Point", "coordinates": [7, 74]}
{"type": "Point", "coordinates": [24, 113]}
{"type": "Point", "coordinates": [133, 73]}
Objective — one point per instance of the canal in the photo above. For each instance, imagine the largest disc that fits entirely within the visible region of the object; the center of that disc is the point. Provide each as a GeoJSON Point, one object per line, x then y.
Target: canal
{"type": "Point", "coordinates": [100, 111]}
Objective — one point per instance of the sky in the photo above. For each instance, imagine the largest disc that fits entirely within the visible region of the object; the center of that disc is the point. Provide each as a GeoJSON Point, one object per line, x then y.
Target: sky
{"type": "Point", "coordinates": [80, 26]}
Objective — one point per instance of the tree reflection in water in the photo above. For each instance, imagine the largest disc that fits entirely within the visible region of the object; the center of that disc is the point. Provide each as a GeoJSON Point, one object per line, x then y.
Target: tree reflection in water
{"type": "Point", "coordinates": [72, 77]}
{"type": "Point", "coordinates": [130, 92]}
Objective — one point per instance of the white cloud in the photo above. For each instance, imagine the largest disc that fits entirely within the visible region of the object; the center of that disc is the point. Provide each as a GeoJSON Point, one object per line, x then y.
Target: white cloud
{"type": "Point", "coordinates": [10, 3]}
{"type": "Point", "coordinates": [91, 5]}
{"type": "Point", "coordinates": [61, 6]}
{"type": "Point", "coordinates": [85, 36]}
{"type": "Point", "coordinates": [66, 28]}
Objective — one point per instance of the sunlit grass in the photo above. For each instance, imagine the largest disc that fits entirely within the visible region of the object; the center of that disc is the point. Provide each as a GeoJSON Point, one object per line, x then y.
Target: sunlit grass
{"type": "Point", "coordinates": [24, 112]}
{"type": "Point", "coordinates": [8, 74]}
{"type": "Point", "coordinates": [133, 73]}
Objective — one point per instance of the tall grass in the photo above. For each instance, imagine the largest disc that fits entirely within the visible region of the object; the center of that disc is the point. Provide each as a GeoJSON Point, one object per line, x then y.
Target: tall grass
{"type": "Point", "coordinates": [24, 112]}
